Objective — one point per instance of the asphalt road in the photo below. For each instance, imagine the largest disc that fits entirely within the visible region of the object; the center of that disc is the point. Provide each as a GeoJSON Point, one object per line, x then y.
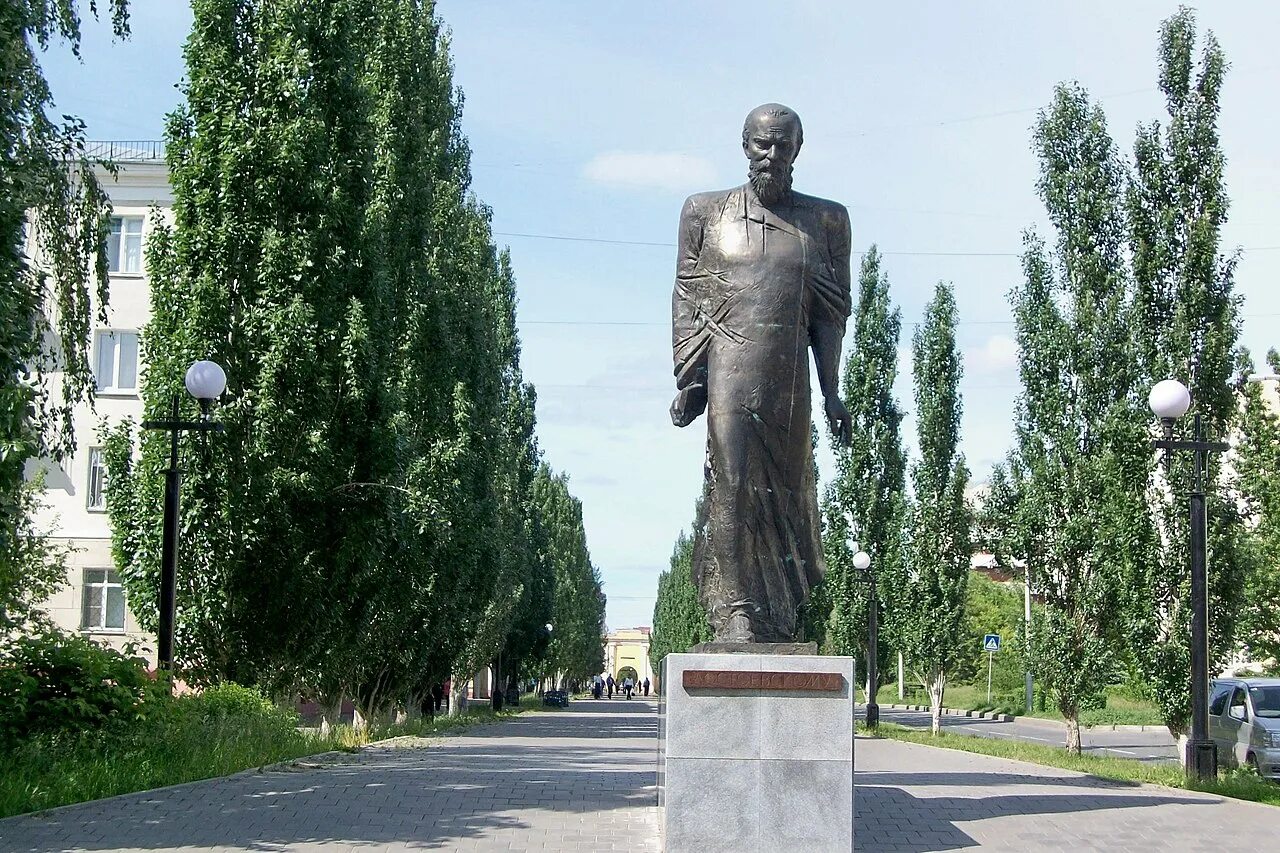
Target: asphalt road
{"type": "Point", "coordinates": [1150, 745]}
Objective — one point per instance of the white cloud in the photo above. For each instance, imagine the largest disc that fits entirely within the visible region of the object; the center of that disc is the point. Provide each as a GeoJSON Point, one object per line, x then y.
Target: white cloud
{"type": "Point", "coordinates": [997, 355]}
{"type": "Point", "coordinates": [652, 169]}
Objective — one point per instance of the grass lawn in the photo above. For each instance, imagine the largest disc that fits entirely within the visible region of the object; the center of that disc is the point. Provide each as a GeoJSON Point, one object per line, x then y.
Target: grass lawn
{"type": "Point", "coordinates": [1120, 709]}
{"type": "Point", "coordinates": [1241, 785]}
{"type": "Point", "coordinates": [181, 747]}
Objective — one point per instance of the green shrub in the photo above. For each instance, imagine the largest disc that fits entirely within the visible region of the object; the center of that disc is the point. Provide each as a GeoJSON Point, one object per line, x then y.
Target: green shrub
{"type": "Point", "coordinates": [55, 683]}
{"type": "Point", "coordinates": [230, 700]}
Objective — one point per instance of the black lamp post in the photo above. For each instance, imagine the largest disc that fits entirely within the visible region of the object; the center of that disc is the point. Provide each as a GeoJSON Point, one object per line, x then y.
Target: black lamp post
{"type": "Point", "coordinates": [1170, 400]}
{"type": "Point", "coordinates": [205, 381]}
{"type": "Point", "coordinates": [862, 562]}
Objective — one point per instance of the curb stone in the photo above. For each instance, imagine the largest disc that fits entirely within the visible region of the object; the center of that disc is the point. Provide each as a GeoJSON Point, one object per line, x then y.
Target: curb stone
{"type": "Point", "coordinates": [1009, 718]}
{"type": "Point", "coordinates": [954, 712]}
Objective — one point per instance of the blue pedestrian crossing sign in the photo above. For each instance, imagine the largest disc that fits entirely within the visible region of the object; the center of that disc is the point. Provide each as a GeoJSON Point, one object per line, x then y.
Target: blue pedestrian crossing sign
{"type": "Point", "coordinates": [991, 643]}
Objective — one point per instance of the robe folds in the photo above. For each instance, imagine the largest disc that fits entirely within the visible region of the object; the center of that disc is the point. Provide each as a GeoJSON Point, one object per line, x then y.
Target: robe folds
{"type": "Point", "coordinates": [753, 283]}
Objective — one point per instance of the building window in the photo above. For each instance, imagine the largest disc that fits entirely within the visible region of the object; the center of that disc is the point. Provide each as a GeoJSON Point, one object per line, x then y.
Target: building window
{"type": "Point", "coordinates": [97, 488]}
{"type": "Point", "coordinates": [124, 245]}
{"type": "Point", "coordinates": [103, 605]}
{"type": "Point", "coordinates": [116, 365]}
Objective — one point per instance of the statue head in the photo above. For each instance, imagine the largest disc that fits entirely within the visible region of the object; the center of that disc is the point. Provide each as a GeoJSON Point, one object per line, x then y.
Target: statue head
{"type": "Point", "coordinates": [771, 139]}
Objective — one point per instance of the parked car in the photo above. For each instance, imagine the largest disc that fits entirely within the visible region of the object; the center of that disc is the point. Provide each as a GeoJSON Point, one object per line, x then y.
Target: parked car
{"type": "Point", "coordinates": [1244, 720]}
{"type": "Point", "coordinates": [556, 699]}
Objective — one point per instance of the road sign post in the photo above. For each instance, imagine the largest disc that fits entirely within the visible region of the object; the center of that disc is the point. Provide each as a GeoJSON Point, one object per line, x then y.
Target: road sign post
{"type": "Point", "coordinates": [990, 644]}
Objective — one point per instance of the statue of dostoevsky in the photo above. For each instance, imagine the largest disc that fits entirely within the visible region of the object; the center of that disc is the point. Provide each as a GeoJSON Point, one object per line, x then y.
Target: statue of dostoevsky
{"type": "Point", "coordinates": [762, 277]}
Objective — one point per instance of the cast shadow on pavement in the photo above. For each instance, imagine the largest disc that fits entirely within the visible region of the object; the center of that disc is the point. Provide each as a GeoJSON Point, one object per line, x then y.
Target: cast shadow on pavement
{"type": "Point", "coordinates": [891, 819]}
{"type": "Point", "coordinates": [987, 780]}
{"type": "Point", "coordinates": [460, 788]}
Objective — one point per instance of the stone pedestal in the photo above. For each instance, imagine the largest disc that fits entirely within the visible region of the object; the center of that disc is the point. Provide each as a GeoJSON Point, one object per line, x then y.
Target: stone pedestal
{"type": "Point", "coordinates": [756, 753]}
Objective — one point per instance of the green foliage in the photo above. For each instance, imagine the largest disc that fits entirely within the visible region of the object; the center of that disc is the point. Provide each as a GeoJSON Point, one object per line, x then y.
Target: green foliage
{"type": "Point", "coordinates": [233, 700]}
{"type": "Point", "coordinates": [993, 608]}
{"type": "Point", "coordinates": [576, 648]}
{"type": "Point", "coordinates": [928, 613]}
{"type": "Point", "coordinates": [368, 524]}
{"type": "Point", "coordinates": [1072, 496]}
{"type": "Point", "coordinates": [865, 502]}
{"type": "Point", "coordinates": [679, 619]}
{"type": "Point", "coordinates": [1258, 461]}
{"type": "Point", "coordinates": [53, 283]}
{"type": "Point", "coordinates": [52, 683]}
{"type": "Point", "coordinates": [180, 740]}
{"type": "Point", "coordinates": [223, 730]}
{"type": "Point", "coordinates": [1186, 326]}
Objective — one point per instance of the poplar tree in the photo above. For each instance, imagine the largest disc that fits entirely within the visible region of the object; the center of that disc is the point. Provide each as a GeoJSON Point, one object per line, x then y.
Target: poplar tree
{"type": "Point", "coordinates": [1186, 326]}
{"type": "Point", "coordinates": [1258, 461]}
{"type": "Point", "coordinates": [679, 619]}
{"type": "Point", "coordinates": [366, 525]}
{"type": "Point", "coordinates": [1082, 456]}
{"type": "Point", "coordinates": [53, 286]}
{"type": "Point", "coordinates": [865, 501]}
{"type": "Point", "coordinates": [929, 609]}
{"type": "Point", "coordinates": [576, 648]}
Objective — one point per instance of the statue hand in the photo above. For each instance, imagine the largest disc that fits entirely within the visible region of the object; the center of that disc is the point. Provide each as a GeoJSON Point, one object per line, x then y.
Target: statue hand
{"type": "Point", "coordinates": [839, 420]}
{"type": "Point", "coordinates": [690, 402]}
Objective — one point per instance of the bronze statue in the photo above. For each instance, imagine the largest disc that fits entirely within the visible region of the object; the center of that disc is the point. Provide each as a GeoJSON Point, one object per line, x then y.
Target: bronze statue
{"type": "Point", "coordinates": [762, 276]}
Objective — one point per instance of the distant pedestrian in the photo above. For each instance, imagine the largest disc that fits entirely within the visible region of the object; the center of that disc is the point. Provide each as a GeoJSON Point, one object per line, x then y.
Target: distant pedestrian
{"type": "Point", "coordinates": [609, 684]}
{"type": "Point", "coordinates": [628, 686]}
{"type": "Point", "coordinates": [646, 686]}
{"type": "Point", "coordinates": [437, 695]}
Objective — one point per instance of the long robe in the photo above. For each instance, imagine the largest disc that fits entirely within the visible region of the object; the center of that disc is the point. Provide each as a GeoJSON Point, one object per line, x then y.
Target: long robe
{"type": "Point", "coordinates": [752, 285]}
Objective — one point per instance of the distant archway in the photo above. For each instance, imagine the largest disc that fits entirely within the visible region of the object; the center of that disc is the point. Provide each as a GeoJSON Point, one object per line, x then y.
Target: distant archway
{"type": "Point", "coordinates": [628, 672]}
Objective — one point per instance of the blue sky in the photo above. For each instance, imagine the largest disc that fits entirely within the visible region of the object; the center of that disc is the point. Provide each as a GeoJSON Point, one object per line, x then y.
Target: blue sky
{"type": "Point", "coordinates": [594, 120]}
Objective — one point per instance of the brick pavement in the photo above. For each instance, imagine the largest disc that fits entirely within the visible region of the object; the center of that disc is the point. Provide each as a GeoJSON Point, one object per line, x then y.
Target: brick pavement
{"type": "Point", "coordinates": [579, 779]}
{"type": "Point", "coordinates": [582, 779]}
{"type": "Point", "coordinates": [912, 799]}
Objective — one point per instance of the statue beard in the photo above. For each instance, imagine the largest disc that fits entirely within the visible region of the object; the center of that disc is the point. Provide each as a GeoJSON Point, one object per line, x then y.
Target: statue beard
{"type": "Point", "coordinates": [771, 182]}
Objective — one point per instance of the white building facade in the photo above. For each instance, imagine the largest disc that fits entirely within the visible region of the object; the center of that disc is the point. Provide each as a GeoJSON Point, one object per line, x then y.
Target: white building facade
{"type": "Point", "coordinates": [93, 601]}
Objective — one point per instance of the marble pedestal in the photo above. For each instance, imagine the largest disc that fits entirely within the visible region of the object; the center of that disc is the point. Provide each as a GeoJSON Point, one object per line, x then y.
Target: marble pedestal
{"type": "Point", "coordinates": [756, 753]}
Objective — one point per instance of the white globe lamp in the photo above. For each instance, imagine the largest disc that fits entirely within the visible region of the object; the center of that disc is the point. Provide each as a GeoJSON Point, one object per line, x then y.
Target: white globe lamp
{"type": "Point", "coordinates": [1169, 399]}
{"type": "Point", "coordinates": [206, 380]}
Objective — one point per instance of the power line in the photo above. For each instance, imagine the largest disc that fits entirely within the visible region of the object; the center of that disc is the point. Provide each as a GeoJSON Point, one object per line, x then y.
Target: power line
{"type": "Point", "coordinates": [582, 239]}
{"type": "Point", "coordinates": [665, 324]}
{"type": "Point", "coordinates": [574, 239]}
{"type": "Point", "coordinates": [606, 241]}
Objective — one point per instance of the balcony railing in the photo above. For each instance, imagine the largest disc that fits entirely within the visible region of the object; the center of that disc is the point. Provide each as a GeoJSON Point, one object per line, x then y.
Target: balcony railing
{"type": "Point", "coordinates": [128, 151]}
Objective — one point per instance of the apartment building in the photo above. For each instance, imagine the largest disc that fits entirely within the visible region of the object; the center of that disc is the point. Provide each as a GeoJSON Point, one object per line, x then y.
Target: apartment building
{"type": "Point", "coordinates": [93, 601]}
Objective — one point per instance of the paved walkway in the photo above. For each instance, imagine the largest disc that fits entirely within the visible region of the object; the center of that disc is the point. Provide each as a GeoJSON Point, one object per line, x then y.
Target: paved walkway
{"type": "Point", "coordinates": [912, 799]}
{"type": "Point", "coordinates": [579, 779]}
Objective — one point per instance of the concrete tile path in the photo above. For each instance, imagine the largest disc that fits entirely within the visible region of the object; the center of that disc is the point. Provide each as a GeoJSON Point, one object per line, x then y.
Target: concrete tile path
{"type": "Point", "coordinates": [912, 799]}
{"type": "Point", "coordinates": [579, 779]}
{"type": "Point", "coordinates": [582, 779]}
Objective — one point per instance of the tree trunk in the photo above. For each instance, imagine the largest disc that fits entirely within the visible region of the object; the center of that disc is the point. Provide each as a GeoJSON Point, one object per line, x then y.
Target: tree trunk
{"type": "Point", "coordinates": [330, 715]}
{"type": "Point", "coordinates": [1184, 745]}
{"type": "Point", "coordinates": [937, 688]}
{"type": "Point", "coordinates": [359, 722]}
{"type": "Point", "coordinates": [902, 684]}
{"type": "Point", "coordinates": [457, 698]}
{"type": "Point", "coordinates": [1073, 734]}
